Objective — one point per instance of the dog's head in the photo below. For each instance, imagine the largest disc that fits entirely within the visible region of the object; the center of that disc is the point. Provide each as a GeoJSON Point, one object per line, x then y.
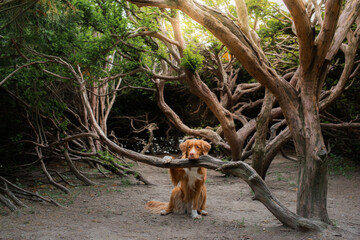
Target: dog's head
{"type": "Point", "coordinates": [193, 149]}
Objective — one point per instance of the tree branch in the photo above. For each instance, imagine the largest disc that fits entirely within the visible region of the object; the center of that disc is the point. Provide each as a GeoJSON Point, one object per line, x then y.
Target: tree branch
{"type": "Point", "coordinates": [156, 3]}
{"type": "Point", "coordinates": [303, 31]}
{"type": "Point", "coordinates": [323, 41]}
{"type": "Point", "coordinates": [176, 121]}
{"type": "Point", "coordinates": [346, 19]}
{"type": "Point", "coordinates": [156, 35]}
{"type": "Point", "coordinates": [19, 68]}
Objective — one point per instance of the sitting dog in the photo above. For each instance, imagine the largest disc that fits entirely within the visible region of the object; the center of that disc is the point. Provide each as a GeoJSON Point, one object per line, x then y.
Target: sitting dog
{"type": "Point", "coordinates": [189, 193]}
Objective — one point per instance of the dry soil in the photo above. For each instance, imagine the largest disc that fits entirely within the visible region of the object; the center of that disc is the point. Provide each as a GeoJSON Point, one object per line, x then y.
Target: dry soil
{"type": "Point", "coordinates": [114, 209]}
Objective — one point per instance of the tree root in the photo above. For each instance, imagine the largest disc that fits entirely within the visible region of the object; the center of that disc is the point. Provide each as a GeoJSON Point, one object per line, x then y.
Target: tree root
{"type": "Point", "coordinates": [74, 170]}
{"type": "Point", "coordinates": [13, 194]}
{"type": "Point", "coordinates": [51, 180]}
{"type": "Point", "coordinates": [121, 171]}
{"type": "Point", "coordinates": [10, 205]}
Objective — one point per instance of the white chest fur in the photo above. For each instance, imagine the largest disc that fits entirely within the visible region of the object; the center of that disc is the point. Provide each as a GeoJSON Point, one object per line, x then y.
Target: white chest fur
{"type": "Point", "coordinates": [193, 175]}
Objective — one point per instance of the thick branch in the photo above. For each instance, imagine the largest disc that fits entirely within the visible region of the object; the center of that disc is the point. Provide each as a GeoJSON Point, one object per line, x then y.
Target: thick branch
{"type": "Point", "coordinates": [262, 128]}
{"type": "Point", "coordinates": [176, 121]}
{"type": "Point", "coordinates": [303, 31]}
{"type": "Point", "coordinates": [156, 3]}
{"type": "Point", "coordinates": [350, 53]}
{"type": "Point", "coordinates": [332, 10]}
{"type": "Point", "coordinates": [74, 170]}
{"type": "Point", "coordinates": [346, 19]}
{"type": "Point", "coordinates": [7, 203]}
{"type": "Point", "coordinates": [29, 193]}
{"type": "Point", "coordinates": [340, 125]}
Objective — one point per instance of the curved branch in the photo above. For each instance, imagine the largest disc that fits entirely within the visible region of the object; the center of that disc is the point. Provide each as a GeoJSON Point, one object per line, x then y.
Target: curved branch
{"type": "Point", "coordinates": [156, 35]}
{"type": "Point", "coordinates": [176, 121]}
{"type": "Point", "coordinates": [200, 89]}
{"type": "Point", "coordinates": [73, 137]}
{"type": "Point", "coordinates": [332, 10]}
{"type": "Point", "coordinates": [303, 31]}
{"type": "Point", "coordinates": [74, 170]}
{"type": "Point", "coordinates": [350, 53]}
{"type": "Point", "coordinates": [346, 19]}
{"type": "Point", "coordinates": [30, 193]}
{"type": "Point", "coordinates": [107, 79]}
{"type": "Point", "coordinates": [170, 78]}
{"type": "Point", "coordinates": [156, 3]}
{"type": "Point", "coordinates": [7, 203]}
{"type": "Point", "coordinates": [340, 125]}
{"type": "Point", "coordinates": [19, 68]}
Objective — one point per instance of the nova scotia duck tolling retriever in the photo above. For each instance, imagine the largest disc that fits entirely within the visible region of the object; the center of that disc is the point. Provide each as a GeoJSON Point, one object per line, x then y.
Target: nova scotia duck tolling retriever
{"type": "Point", "coordinates": [189, 193]}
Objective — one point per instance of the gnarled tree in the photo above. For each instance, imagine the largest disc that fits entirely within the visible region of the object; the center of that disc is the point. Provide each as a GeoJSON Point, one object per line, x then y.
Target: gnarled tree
{"type": "Point", "coordinates": [300, 101]}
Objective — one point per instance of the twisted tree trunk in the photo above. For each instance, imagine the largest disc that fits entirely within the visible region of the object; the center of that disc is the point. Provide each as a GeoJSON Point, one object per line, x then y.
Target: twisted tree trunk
{"type": "Point", "coordinates": [262, 128]}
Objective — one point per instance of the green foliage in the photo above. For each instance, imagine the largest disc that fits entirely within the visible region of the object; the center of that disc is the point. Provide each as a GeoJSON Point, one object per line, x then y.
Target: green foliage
{"type": "Point", "coordinates": [338, 165]}
{"type": "Point", "coordinates": [192, 60]}
{"type": "Point", "coordinates": [106, 156]}
{"type": "Point", "coordinates": [226, 159]}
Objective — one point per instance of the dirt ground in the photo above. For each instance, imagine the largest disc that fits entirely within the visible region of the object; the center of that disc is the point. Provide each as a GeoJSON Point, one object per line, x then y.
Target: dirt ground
{"type": "Point", "coordinates": [114, 209]}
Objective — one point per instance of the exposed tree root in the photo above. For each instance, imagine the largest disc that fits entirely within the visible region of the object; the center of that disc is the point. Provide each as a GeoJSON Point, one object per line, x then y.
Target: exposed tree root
{"type": "Point", "coordinates": [51, 180]}
{"type": "Point", "coordinates": [10, 205]}
{"type": "Point", "coordinates": [14, 192]}
{"type": "Point", "coordinates": [74, 170]}
{"type": "Point", "coordinates": [287, 156]}
{"type": "Point", "coordinates": [121, 171]}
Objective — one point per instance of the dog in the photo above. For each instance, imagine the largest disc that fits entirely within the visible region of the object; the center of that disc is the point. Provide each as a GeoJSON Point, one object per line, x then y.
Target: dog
{"type": "Point", "coordinates": [189, 193]}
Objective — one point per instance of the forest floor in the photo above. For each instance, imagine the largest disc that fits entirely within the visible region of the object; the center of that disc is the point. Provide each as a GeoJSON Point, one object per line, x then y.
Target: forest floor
{"type": "Point", "coordinates": [114, 209]}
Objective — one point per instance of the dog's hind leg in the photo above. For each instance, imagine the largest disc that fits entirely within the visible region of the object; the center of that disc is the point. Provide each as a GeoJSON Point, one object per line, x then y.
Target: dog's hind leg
{"type": "Point", "coordinates": [202, 201]}
{"type": "Point", "coordinates": [174, 198]}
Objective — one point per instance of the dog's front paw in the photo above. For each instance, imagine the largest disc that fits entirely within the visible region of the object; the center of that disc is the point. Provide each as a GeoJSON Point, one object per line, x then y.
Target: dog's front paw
{"type": "Point", "coordinates": [163, 212]}
{"type": "Point", "coordinates": [195, 215]}
{"type": "Point", "coordinates": [167, 159]}
{"type": "Point", "coordinates": [203, 213]}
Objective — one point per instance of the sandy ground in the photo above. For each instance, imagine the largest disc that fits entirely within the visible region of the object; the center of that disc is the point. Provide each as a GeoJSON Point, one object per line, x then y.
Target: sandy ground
{"type": "Point", "coordinates": [114, 209]}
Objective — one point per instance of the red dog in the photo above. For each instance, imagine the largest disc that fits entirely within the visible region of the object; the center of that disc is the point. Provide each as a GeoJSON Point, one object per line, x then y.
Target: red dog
{"type": "Point", "coordinates": [190, 195]}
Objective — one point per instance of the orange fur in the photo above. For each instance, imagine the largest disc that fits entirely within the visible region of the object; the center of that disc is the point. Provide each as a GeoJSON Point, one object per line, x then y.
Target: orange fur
{"type": "Point", "coordinates": [189, 193]}
{"type": "Point", "coordinates": [156, 207]}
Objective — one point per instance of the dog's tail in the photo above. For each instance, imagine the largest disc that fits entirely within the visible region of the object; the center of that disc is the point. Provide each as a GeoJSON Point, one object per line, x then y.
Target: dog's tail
{"type": "Point", "coordinates": [156, 207]}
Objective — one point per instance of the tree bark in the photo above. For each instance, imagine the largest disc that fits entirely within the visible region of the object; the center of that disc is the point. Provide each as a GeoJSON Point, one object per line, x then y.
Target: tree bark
{"type": "Point", "coordinates": [262, 127]}
{"type": "Point", "coordinates": [225, 118]}
{"type": "Point", "coordinates": [313, 175]}
{"type": "Point", "coordinates": [73, 169]}
{"type": "Point", "coordinates": [12, 196]}
{"type": "Point", "coordinates": [208, 134]}
{"type": "Point", "coordinates": [7, 203]}
{"type": "Point", "coordinates": [272, 148]}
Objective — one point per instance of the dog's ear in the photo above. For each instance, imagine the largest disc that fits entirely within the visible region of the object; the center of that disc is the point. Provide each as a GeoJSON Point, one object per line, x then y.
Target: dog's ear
{"type": "Point", "coordinates": [183, 146]}
{"type": "Point", "coordinates": [205, 147]}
